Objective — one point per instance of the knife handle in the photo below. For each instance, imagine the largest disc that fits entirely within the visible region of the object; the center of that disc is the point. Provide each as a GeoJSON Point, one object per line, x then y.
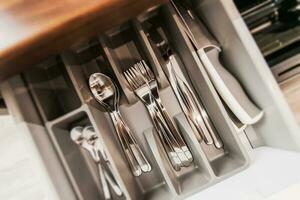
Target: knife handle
{"type": "Point", "coordinates": [229, 88]}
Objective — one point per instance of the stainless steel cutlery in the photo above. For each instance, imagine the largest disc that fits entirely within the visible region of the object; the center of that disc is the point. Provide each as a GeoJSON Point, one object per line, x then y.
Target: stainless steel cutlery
{"type": "Point", "coordinates": [192, 107]}
{"type": "Point", "coordinates": [107, 94]}
{"type": "Point", "coordinates": [87, 138]}
{"type": "Point", "coordinates": [142, 81]}
{"type": "Point", "coordinates": [208, 51]}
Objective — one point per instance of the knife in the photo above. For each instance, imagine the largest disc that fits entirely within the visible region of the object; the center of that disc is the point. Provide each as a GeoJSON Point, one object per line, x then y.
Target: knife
{"type": "Point", "coordinates": [208, 51]}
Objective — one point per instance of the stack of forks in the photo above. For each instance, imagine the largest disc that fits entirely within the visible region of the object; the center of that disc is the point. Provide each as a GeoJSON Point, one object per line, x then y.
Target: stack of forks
{"type": "Point", "coordinates": [142, 81]}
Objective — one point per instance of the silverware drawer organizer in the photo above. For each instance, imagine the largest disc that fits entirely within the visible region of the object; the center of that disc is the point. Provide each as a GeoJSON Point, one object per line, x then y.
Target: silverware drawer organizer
{"type": "Point", "coordinates": [52, 97]}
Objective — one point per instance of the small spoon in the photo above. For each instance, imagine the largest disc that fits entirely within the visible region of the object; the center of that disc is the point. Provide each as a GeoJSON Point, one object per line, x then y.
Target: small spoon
{"type": "Point", "coordinates": [91, 136]}
{"type": "Point", "coordinates": [78, 136]}
{"type": "Point", "coordinates": [89, 132]}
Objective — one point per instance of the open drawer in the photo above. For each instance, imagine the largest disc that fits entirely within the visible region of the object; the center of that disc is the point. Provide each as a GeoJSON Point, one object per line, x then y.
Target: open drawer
{"type": "Point", "coordinates": [54, 96]}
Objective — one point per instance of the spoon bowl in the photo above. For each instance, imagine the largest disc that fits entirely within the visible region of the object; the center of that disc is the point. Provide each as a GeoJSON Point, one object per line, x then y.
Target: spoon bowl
{"type": "Point", "coordinates": [89, 134]}
{"type": "Point", "coordinates": [76, 135]}
{"type": "Point", "coordinates": [104, 91]}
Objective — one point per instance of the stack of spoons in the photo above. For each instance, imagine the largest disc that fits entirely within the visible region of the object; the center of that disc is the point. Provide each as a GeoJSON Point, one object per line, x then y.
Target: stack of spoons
{"type": "Point", "coordinates": [87, 139]}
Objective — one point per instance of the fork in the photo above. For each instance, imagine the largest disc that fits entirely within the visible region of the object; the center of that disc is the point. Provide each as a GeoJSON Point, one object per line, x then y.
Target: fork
{"type": "Point", "coordinates": [142, 81]}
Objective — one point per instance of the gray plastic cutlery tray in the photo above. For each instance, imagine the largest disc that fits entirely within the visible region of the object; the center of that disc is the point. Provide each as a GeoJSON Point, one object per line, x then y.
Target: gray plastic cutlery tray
{"type": "Point", "coordinates": [53, 96]}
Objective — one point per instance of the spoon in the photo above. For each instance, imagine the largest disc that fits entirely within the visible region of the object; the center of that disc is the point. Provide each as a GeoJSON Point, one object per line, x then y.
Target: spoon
{"type": "Point", "coordinates": [84, 140]}
{"type": "Point", "coordinates": [77, 137]}
{"type": "Point", "coordinates": [91, 136]}
{"type": "Point", "coordinates": [107, 94]}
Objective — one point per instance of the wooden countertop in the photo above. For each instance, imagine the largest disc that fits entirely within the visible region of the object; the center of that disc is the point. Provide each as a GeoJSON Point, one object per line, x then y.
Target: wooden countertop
{"type": "Point", "coordinates": [31, 30]}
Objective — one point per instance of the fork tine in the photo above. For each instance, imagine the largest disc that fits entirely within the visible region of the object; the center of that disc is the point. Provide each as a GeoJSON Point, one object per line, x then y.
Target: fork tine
{"type": "Point", "coordinates": [133, 77]}
{"type": "Point", "coordinates": [136, 68]}
{"type": "Point", "coordinates": [143, 71]}
{"type": "Point", "coordinates": [129, 80]}
{"type": "Point", "coordinates": [150, 73]}
{"type": "Point", "coordinates": [141, 75]}
{"type": "Point", "coordinates": [138, 75]}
